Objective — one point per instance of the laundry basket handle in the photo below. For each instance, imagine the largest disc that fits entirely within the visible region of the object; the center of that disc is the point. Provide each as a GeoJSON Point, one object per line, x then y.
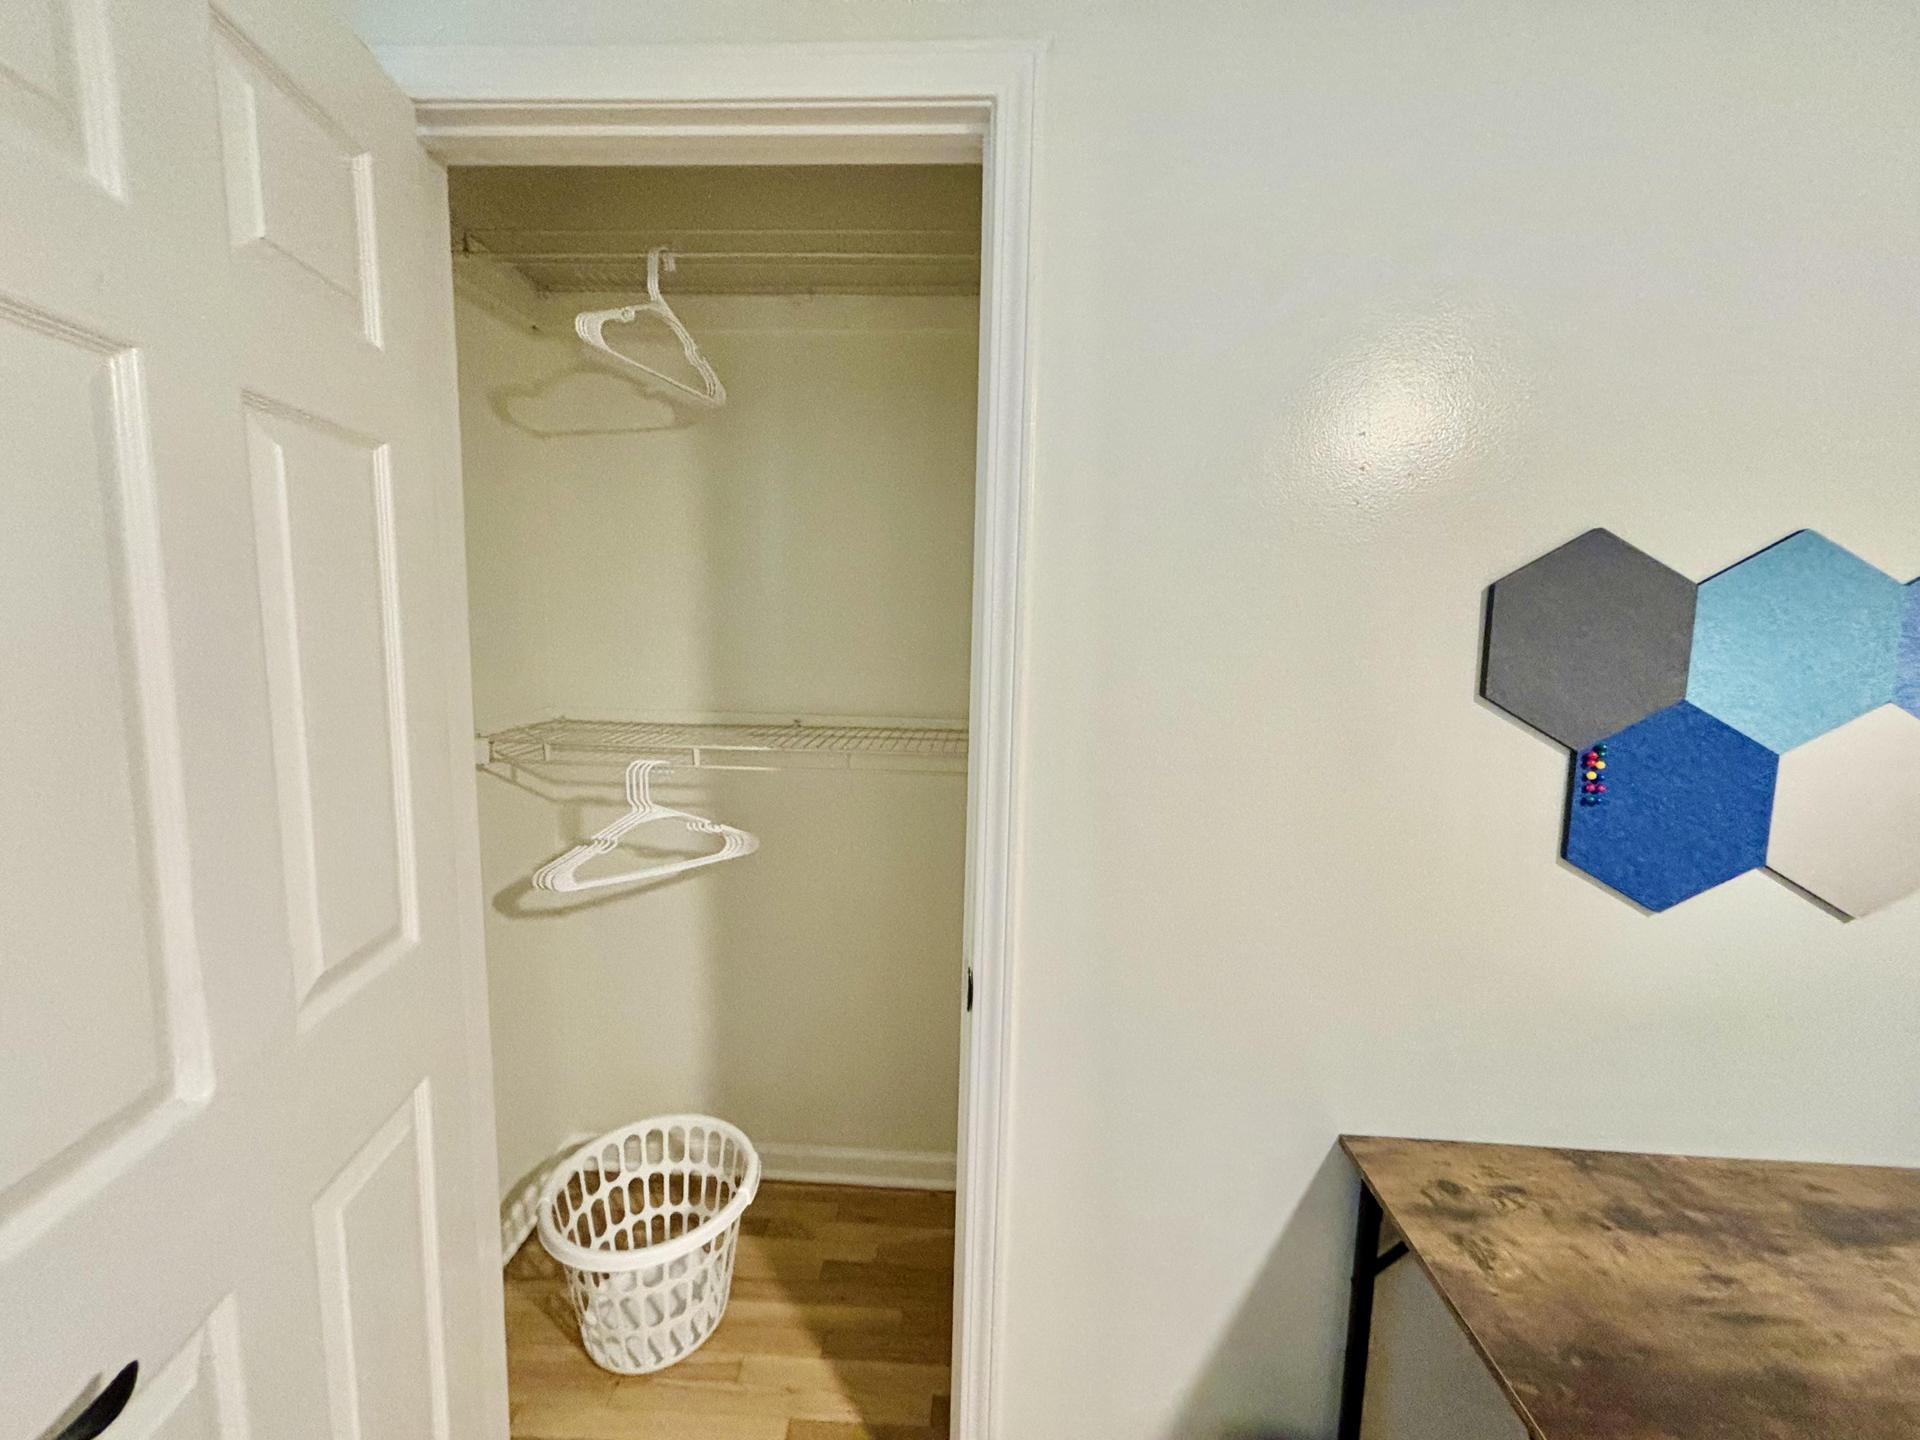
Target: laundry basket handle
{"type": "Point", "coordinates": [582, 1257]}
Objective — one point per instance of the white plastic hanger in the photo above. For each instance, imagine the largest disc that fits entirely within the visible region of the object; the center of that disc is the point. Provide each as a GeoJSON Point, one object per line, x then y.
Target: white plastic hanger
{"type": "Point", "coordinates": [589, 325]}
{"type": "Point", "coordinates": [563, 874]}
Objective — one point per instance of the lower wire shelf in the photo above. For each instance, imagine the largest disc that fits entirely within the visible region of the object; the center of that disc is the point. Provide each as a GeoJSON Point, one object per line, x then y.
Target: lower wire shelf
{"type": "Point", "coordinates": [768, 745]}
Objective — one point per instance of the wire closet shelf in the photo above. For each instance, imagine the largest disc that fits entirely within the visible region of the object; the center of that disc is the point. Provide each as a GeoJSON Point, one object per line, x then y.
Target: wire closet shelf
{"type": "Point", "coordinates": [757, 746]}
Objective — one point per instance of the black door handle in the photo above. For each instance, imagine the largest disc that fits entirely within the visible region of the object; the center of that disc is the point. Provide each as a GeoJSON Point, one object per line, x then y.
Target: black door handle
{"type": "Point", "coordinates": [105, 1407]}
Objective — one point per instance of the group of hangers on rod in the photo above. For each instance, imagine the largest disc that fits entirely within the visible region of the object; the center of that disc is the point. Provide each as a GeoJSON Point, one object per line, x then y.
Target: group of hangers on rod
{"type": "Point", "coordinates": [563, 874]}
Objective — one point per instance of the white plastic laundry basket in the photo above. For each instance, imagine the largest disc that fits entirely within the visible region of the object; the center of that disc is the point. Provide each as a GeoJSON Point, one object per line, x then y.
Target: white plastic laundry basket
{"type": "Point", "coordinates": [645, 1220]}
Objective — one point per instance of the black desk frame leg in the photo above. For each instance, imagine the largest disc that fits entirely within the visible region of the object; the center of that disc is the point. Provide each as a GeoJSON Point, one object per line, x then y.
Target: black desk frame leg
{"type": "Point", "coordinates": [1368, 1262]}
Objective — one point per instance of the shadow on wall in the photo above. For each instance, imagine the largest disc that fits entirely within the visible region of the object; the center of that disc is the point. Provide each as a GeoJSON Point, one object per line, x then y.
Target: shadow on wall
{"type": "Point", "coordinates": [588, 396]}
{"type": "Point", "coordinates": [1274, 1373]}
{"type": "Point", "coordinates": [579, 815]}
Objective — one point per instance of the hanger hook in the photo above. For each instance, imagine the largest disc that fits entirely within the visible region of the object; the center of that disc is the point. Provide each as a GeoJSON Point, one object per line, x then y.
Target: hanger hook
{"type": "Point", "coordinates": [640, 781]}
{"type": "Point", "coordinates": [657, 257]}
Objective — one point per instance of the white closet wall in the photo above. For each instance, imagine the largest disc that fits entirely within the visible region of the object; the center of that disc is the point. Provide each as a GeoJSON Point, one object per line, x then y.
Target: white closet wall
{"type": "Point", "coordinates": [808, 550]}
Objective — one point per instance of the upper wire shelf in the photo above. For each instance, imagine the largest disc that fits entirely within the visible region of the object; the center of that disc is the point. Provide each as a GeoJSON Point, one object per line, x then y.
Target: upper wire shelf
{"type": "Point", "coordinates": [766, 745]}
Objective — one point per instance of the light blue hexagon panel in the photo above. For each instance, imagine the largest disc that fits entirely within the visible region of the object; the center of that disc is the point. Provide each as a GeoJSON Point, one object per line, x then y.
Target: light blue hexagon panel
{"type": "Point", "coordinates": [1906, 684]}
{"type": "Point", "coordinates": [1795, 641]}
{"type": "Point", "coordinates": [1797, 742]}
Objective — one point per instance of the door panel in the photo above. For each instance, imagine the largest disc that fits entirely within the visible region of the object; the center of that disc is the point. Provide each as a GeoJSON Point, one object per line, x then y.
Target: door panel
{"type": "Point", "coordinates": [329, 591]}
{"type": "Point", "coordinates": [244, 1138]}
{"type": "Point", "coordinates": [380, 1285]}
{"type": "Point", "coordinates": [55, 88]}
{"type": "Point", "coordinates": [196, 1395]}
{"type": "Point", "coordinates": [83, 995]}
{"type": "Point", "coordinates": [300, 207]}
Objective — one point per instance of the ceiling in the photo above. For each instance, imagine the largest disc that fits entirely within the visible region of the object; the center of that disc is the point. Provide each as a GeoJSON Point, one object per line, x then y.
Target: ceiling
{"type": "Point", "coordinates": [734, 229]}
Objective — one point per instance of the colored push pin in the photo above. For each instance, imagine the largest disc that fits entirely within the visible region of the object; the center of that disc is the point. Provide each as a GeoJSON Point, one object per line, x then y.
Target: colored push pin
{"type": "Point", "coordinates": [1592, 761]}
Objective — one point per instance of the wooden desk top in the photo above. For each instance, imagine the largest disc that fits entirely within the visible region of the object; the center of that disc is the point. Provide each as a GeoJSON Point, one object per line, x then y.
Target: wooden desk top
{"type": "Point", "coordinates": [1657, 1297]}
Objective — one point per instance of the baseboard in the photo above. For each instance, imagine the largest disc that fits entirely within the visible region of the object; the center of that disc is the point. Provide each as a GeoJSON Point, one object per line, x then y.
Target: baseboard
{"type": "Point", "coordinates": [813, 1164]}
{"type": "Point", "coordinates": [855, 1165]}
{"type": "Point", "coordinates": [520, 1210]}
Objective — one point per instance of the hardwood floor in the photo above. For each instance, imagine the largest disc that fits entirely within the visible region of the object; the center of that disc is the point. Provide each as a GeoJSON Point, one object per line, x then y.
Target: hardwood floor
{"type": "Point", "coordinates": [840, 1328]}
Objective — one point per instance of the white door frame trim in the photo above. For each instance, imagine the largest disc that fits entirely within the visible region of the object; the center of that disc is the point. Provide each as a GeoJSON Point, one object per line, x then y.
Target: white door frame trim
{"type": "Point", "coordinates": [851, 103]}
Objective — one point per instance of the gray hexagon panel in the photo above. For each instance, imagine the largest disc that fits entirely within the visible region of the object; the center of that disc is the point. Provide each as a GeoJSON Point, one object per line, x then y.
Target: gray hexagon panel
{"type": "Point", "coordinates": [1589, 639]}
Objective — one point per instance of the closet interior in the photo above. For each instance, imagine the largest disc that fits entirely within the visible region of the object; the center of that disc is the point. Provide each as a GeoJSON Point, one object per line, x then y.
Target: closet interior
{"type": "Point", "coordinates": [718, 430]}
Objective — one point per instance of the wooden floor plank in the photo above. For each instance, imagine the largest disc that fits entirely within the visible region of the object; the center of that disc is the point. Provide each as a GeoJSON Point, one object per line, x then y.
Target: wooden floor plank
{"type": "Point", "coordinates": [921, 1381]}
{"type": "Point", "coordinates": [838, 1430]}
{"type": "Point", "coordinates": [839, 1328]}
{"type": "Point", "coordinates": [606, 1424]}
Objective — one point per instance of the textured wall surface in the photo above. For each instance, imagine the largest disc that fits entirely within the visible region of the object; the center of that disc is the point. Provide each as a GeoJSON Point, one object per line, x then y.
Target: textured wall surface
{"type": "Point", "coordinates": [1344, 311]}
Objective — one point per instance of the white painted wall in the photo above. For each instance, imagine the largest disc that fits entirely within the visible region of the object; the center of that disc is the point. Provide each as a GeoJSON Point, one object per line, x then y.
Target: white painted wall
{"type": "Point", "coordinates": [806, 550]}
{"type": "Point", "coordinates": [1347, 307]}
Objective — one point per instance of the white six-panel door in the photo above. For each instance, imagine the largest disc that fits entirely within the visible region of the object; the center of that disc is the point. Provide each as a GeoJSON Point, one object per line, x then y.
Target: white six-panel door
{"type": "Point", "coordinates": [242, 1130]}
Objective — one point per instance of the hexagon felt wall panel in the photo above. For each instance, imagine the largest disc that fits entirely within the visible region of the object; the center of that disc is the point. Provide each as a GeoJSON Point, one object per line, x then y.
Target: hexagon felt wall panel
{"type": "Point", "coordinates": [1847, 818]}
{"type": "Point", "coordinates": [1687, 805]}
{"type": "Point", "coordinates": [1906, 684]}
{"type": "Point", "coordinates": [1796, 640]}
{"type": "Point", "coordinates": [1588, 639]}
{"type": "Point", "coordinates": [1684, 706]}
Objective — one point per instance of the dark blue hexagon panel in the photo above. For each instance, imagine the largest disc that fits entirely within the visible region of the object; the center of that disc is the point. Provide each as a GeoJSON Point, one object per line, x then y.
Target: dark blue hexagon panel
{"type": "Point", "coordinates": [1678, 702]}
{"type": "Point", "coordinates": [1686, 805]}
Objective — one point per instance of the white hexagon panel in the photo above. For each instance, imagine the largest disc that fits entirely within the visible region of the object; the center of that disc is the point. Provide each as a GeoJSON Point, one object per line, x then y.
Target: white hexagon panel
{"type": "Point", "coordinates": [1846, 812]}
